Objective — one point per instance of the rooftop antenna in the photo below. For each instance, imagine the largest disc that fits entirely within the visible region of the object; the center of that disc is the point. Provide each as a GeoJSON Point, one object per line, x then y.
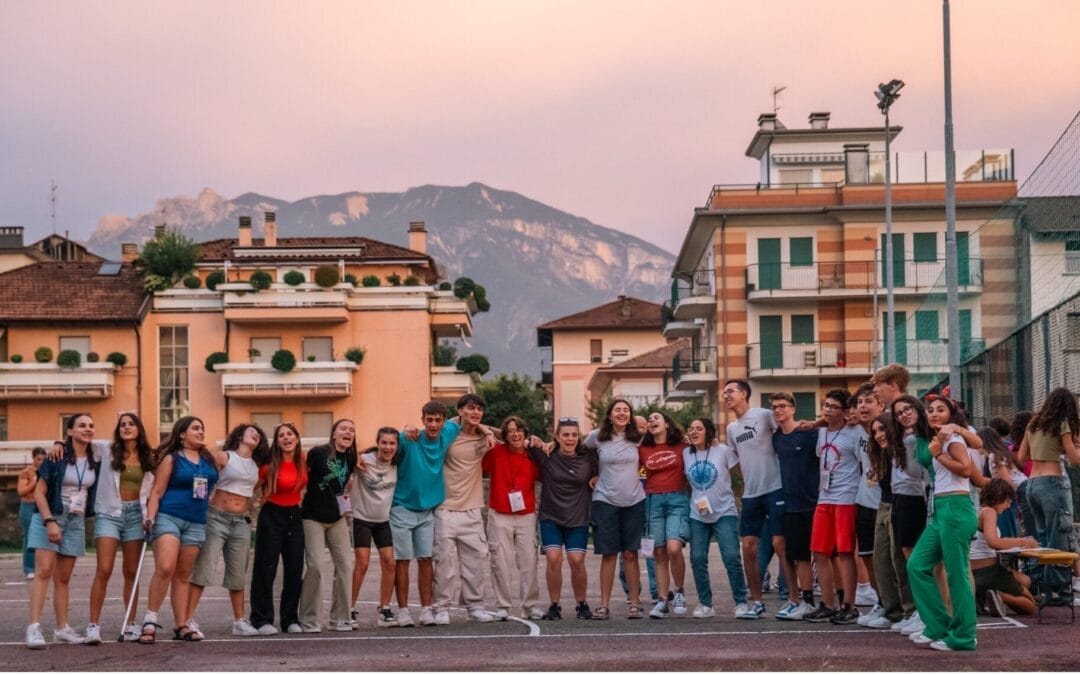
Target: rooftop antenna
{"type": "Point", "coordinates": [52, 203]}
{"type": "Point", "coordinates": [775, 94]}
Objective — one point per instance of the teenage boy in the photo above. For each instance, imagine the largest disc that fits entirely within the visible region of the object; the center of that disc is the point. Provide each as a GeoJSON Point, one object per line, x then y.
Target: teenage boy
{"type": "Point", "coordinates": [867, 501]}
{"type": "Point", "coordinates": [890, 383]}
{"type": "Point", "coordinates": [750, 435]}
{"type": "Point", "coordinates": [834, 517]}
{"type": "Point", "coordinates": [796, 450]}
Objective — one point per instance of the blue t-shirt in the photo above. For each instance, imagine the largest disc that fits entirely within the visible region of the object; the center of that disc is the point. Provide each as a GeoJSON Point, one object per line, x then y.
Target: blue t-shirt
{"type": "Point", "coordinates": [797, 453]}
{"type": "Point", "coordinates": [179, 500]}
{"type": "Point", "coordinates": [420, 471]}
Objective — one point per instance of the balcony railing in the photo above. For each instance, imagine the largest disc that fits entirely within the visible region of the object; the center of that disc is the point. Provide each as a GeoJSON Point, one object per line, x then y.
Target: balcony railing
{"type": "Point", "coordinates": [850, 357]}
{"type": "Point", "coordinates": [694, 367]}
{"type": "Point", "coordinates": [47, 380]}
{"type": "Point", "coordinates": [691, 299]}
{"type": "Point", "coordinates": [448, 383]}
{"type": "Point", "coordinates": [323, 379]}
{"type": "Point", "coordinates": [858, 275]}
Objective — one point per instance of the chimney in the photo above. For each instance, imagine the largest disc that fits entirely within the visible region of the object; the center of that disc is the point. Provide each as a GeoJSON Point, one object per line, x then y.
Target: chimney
{"type": "Point", "coordinates": [624, 310]}
{"type": "Point", "coordinates": [159, 231]}
{"type": "Point", "coordinates": [129, 252]}
{"type": "Point", "coordinates": [244, 238]}
{"type": "Point", "coordinates": [819, 120]}
{"type": "Point", "coordinates": [766, 122]}
{"type": "Point", "coordinates": [417, 236]}
{"type": "Point", "coordinates": [11, 236]}
{"type": "Point", "coordinates": [270, 229]}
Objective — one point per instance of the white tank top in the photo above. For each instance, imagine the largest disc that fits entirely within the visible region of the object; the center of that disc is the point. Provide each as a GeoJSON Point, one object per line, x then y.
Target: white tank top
{"type": "Point", "coordinates": [980, 550]}
{"type": "Point", "coordinates": [239, 475]}
{"type": "Point", "coordinates": [947, 481]}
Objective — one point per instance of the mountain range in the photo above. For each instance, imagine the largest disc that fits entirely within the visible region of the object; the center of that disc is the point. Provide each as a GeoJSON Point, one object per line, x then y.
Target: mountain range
{"type": "Point", "coordinates": [538, 263]}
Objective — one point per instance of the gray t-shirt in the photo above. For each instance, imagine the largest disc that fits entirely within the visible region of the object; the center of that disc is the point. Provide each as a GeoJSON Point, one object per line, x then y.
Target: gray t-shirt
{"type": "Point", "coordinates": [869, 494]}
{"type": "Point", "coordinates": [751, 438]}
{"type": "Point", "coordinates": [372, 492]}
{"type": "Point", "coordinates": [619, 484]}
{"type": "Point", "coordinates": [912, 480]}
{"type": "Point", "coordinates": [838, 454]}
{"type": "Point", "coordinates": [709, 475]}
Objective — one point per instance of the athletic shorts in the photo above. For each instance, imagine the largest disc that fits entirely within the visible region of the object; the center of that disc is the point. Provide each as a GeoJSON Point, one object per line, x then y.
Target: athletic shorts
{"type": "Point", "coordinates": [834, 529]}
{"type": "Point", "coordinates": [553, 535]}
{"type": "Point", "coordinates": [865, 518]}
{"type": "Point", "coordinates": [797, 529]}
{"type": "Point", "coordinates": [996, 578]}
{"type": "Point", "coordinates": [908, 519]}
{"type": "Point", "coordinates": [757, 510]}
{"type": "Point", "coordinates": [412, 533]}
{"type": "Point", "coordinates": [617, 528]}
{"type": "Point", "coordinates": [364, 533]}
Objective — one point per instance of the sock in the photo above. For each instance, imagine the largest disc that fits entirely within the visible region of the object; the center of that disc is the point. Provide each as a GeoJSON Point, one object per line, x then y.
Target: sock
{"type": "Point", "coordinates": [840, 596]}
{"type": "Point", "coordinates": [150, 617]}
{"type": "Point", "coordinates": [808, 597]}
{"type": "Point", "coordinates": [680, 590]}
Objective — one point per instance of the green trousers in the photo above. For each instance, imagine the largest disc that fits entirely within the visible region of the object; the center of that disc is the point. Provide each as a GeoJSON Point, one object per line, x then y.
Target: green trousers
{"type": "Point", "coordinates": [947, 538]}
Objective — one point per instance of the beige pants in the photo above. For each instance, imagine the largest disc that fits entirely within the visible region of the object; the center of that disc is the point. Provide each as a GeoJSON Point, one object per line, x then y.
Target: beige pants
{"type": "Point", "coordinates": [461, 556]}
{"type": "Point", "coordinates": [338, 539]}
{"type": "Point", "coordinates": [512, 542]}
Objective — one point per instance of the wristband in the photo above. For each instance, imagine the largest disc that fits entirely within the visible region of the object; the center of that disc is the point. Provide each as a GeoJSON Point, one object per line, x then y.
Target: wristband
{"type": "Point", "coordinates": [48, 520]}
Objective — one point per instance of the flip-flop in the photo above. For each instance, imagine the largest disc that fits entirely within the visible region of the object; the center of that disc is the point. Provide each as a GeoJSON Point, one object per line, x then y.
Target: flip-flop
{"type": "Point", "coordinates": [600, 613]}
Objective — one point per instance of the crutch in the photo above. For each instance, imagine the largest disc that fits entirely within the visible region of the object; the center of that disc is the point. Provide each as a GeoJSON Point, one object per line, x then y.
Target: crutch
{"type": "Point", "coordinates": [134, 589]}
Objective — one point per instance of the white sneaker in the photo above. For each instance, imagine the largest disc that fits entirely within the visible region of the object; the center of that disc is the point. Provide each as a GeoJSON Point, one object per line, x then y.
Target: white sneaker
{"type": "Point", "coordinates": [920, 638]}
{"type": "Point", "coordinates": [865, 596]}
{"type": "Point", "coordinates": [244, 628]}
{"type": "Point", "coordinates": [678, 604]}
{"type": "Point", "coordinates": [659, 610]}
{"type": "Point", "coordinates": [916, 626]}
{"type": "Point", "coordinates": [34, 638]}
{"type": "Point", "coordinates": [475, 615]}
{"type": "Point", "coordinates": [427, 617]}
{"type": "Point", "coordinates": [865, 619]}
{"type": "Point", "coordinates": [131, 633]}
{"type": "Point", "coordinates": [404, 618]}
{"type": "Point", "coordinates": [784, 613]}
{"type": "Point", "coordinates": [703, 612]}
{"type": "Point", "coordinates": [1075, 584]}
{"type": "Point", "coordinates": [384, 618]}
{"type": "Point", "coordinates": [67, 635]}
{"type": "Point", "coordinates": [754, 611]}
{"type": "Point", "coordinates": [93, 634]}
{"type": "Point", "coordinates": [902, 623]}
{"type": "Point", "coordinates": [880, 622]}
{"type": "Point", "coordinates": [536, 614]}
{"type": "Point", "coordinates": [940, 646]}
{"type": "Point", "coordinates": [295, 628]}
{"type": "Point", "coordinates": [502, 615]}
{"type": "Point", "coordinates": [740, 608]}
{"type": "Point", "coordinates": [308, 629]}
{"type": "Point", "coordinates": [266, 629]}
{"type": "Point", "coordinates": [30, 576]}
{"type": "Point", "coordinates": [341, 626]}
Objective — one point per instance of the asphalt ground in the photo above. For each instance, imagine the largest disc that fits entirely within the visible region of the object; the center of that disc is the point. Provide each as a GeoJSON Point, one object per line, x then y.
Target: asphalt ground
{"type": "Point", "coordinates": [675, 643]}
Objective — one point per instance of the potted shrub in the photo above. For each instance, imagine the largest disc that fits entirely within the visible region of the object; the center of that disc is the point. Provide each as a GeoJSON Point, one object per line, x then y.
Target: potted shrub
{"type": "Point", "coordinates": [327, 276]}
{"type": "Point", "coordinates": [474, 363]}
{"type": "Point", "coordinates": [92, 357]}
{"type": "Point", "coordinates": [68, 358]}
{"type": "Point", "coordinates": [254, 354]}
{"type": "Point", "coordinates": [294, 277]}
{"type": "Point", "coordinates": [463, 287]}
{"type": "Point", "coordinates": [412, 280]}
{"type": "Point", "coordinates": [356, 355]}
{"type": "Point", "coordinates": [260, 280]}
{"type": "Point", "coordinates": [351, 279]}
{"type": "Point", "coordinates": [213, 360]}
{"type": "Point", "coordinates": [16, 358]}
{"type": "Point", "coordinates": [445, 355]}
{"type": "Point", "coordinates": [283, 361]}
{"type": "Point", "coordinates": [370, 281]}
{"type": "Point", "coordinates": [446, 286]}
{"type": "Point", "coordinates": [311, 358]}
{"type": "Point", "coordinates": [214, 278]}
{"type": "Point", "coordinates": [191, 281]}
{"type": "Point", "coordinates": [118, 359]}
{"type": "Point", "coordinates": [43, 355]}
{"type": "Point", "coordinates": [394, 279]}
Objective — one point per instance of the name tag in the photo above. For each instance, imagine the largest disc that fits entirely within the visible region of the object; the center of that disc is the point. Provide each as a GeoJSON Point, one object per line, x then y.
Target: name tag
{"type": "Point", "coordinates": [200, 487]}
{"type": "Point", "coordinates": [517, 501]}
{"type": "Point", "coordinates": [647, 547]}
{"type": "Point", "coordinates": [77, 507]}
{"type": "Point", "coordinates": [703, 506]}
{"type": "Point", "coordinates": [344, 504]}
{"type": "Point", "coordinates": [825, 482]}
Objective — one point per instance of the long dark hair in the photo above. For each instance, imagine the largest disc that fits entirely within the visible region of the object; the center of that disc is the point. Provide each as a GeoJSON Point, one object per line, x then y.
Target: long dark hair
{"type": "Point", "coordinates": [277, 456]}
{"type": "Point", "coordinates": [922, 428]}
{"type": "Point", "coordinates": [69, 445]}
{"type": "Point", "coordinates": [710, 432]}
{"type": "Point", "coordinates": [142, 445]}
{"type": "Point", "coordinates": [260, 453]}
{"type": "Point", "coordinates": [1059, 407]}
{"type": "Point", "coordinates": [880, 456]}
{"type": "Point", "coordinates": [174, 443]}
{"type": "Point", "coordinates": [956, 413]}
{"type": "Point", "coordinates": [674, 433]}
{"type": "Point", "coordinates": [995, 447]}
{"type": "Point", "coordinates": [1018, 426]}
{"type": "Point", "coordinates": [350, 452]}
{"type": "Point", "coordinates": [607, 429]}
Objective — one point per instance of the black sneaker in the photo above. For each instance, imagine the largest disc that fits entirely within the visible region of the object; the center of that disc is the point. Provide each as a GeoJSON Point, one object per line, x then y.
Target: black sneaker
{"type": "Point", "coordinates": [820, 615]}
{"type": "Point", "coordinates": [386, 618]}
{"type": "Point", "coordinates": [583, 611]}
{"type": "Point", "coordinates": [554, 613]}
{"type": "Point", "coordinates": [846, 615]}
{"type": "Point", "coordinates": [994, 604]}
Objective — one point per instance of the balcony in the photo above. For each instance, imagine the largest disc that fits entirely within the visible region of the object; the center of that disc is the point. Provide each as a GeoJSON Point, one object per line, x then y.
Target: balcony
{"type": "Point", "coordinates": [281, 302]}
{"type": "Point", "coordinates": [694, 369]}
{"type": "Point", "coordinates": [849, 358]}
{"type": "Point", "coordinates": [693, 299]}
{"type": "Point", "coordinates": [26, 381]}
{"type": "Point", "coordinates": [856, 279]}
{"type": "Point", "coordinates": [448, 384]}
{"type": "Point", "coordinates": [451, 317]}
{"type": "Point", "coordinates": [310, 379]}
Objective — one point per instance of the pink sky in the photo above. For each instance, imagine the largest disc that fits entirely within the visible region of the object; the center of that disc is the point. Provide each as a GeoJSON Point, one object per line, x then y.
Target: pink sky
{"type": "Point", "coordinates": [622, 112]}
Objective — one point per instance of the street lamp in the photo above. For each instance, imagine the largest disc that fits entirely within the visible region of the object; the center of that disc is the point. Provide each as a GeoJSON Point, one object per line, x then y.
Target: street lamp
{"type": "Point", "coordinates": [886, 94]}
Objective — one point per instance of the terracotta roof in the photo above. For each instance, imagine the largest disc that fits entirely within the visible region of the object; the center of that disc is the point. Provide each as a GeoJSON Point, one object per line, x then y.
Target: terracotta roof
{"type": "Point", "coordinates": [70, 291]}
{"type": "Point", "coordinates": [218, 250]}
{"type": "Point", "coordinates": [625, 312]}
{"type": "Point", "coordinates": [657, 358]}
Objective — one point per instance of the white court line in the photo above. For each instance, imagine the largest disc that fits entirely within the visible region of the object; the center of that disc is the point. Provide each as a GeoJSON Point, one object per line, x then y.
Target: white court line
{"type": "Point", "coordinates": [534, 629]}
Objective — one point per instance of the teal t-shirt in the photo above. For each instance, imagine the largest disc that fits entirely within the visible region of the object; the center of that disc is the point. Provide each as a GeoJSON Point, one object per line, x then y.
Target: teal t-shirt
{"type": "Point", "coordinates": [420, 471]}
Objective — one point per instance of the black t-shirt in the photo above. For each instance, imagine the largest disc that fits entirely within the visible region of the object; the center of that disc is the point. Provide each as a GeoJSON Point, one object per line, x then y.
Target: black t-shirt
{"type": "Point", "coordinates": [799, 471]}
{"type": "Point", "coordinates": [565, 497]}
{"type": "Point", "coordinates": [328, 472]}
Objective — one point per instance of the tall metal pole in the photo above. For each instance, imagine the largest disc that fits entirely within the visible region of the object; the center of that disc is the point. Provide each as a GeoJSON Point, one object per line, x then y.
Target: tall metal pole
{"type": "Point", "coordinates": [952, 298]}
{"type": "Point", "coordinates": [876, 351]}
{"type": "Point", "coordinates": [890, 308]}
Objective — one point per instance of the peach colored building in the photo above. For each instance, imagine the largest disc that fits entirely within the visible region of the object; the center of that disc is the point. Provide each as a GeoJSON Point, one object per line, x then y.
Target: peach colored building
{"type": "Point", "coordinates": [596, 338]}
{"type": "Point", "coordinates": [782, 282]}
{"type": "Point", "coordinates": [310, 309]}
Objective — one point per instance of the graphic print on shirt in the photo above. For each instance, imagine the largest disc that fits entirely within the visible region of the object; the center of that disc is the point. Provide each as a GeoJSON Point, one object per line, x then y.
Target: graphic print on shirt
{"type": "Point", "coordinates": [703, 474]}
{"type": "Point", "coordinates": [749, 430]}
{"type": "Point", "coordinates": [661, 459]}
{"type": "Point", "coordinates": [335, 472]}
{"type": "Point", "coordinates": [830, 457]}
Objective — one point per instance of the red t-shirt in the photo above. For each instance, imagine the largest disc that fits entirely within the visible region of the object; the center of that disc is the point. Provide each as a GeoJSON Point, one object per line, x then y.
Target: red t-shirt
{"type": "Point", "coordinates": [287, 492]}
{"type": "Point", "coordinates": [510, 471]}
{"type": "Point", "coordinates": [663, 468]}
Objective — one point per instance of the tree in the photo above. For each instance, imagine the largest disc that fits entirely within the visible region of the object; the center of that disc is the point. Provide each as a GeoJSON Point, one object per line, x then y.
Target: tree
{"type": "Point", "coordinates": [167, 258]}
{"type": "Point", "coordinates": [682, 415]}
{"type": "Point", "coordinates": [515, 395]}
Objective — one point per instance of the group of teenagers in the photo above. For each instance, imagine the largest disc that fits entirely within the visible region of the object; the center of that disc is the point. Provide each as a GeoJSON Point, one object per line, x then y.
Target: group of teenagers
{"type": "Point", "coordinates": [902, 485]}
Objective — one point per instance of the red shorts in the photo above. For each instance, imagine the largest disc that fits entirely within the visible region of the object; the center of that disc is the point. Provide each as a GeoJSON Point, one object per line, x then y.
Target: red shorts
{"type": "Point", "coordinates": [834, 529]}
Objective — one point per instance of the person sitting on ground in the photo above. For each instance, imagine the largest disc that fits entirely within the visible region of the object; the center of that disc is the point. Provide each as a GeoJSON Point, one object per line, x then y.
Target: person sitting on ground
{"type": "Point", "coordinates": [996, 584]}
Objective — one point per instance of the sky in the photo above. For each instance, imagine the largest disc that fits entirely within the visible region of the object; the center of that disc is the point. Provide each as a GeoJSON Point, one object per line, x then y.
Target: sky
{"type": "Point", "coordinates": [623, 112]}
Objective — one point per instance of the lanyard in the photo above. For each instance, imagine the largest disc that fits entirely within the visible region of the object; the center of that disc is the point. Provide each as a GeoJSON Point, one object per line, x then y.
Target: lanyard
{"type": "Point", "coordinates": [832, 444]}
{"type": "Point", "coordinates": [79, 474]}
{"type": "Point", "coordinates": [515, 472]}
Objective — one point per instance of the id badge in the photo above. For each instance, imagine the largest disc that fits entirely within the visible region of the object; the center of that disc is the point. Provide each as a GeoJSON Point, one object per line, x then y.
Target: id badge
{"type": "Point", "coordinates": [200, 486]}
{"type": "Point", "coordinates": [825, 482]}
{"type": "Point", "coordinates": [517, 501]}
{"type": "Point", "coordinates": [343, 504]}
{"type": "Point", "coordinates": [647, 547]}
{"type": "Point", "coordinates": [78, 504]}
{"type": "Point", "coordinates": [703, 506]}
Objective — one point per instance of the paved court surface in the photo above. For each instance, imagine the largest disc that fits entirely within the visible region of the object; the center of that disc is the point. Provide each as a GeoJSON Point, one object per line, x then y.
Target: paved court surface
{"type": "Point", "coordinates": [617, 644]}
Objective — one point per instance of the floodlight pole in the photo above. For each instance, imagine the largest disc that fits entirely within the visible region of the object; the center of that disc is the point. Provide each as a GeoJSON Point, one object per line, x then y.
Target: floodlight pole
{"type": "Point", "coordinates": [952, 297]}
{"type": "Point", "coordinates": [890, 288]}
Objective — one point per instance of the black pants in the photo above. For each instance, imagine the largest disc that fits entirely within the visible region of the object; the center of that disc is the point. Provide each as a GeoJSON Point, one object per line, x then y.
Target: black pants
{"type": "Point", "coordinates": [279, 532]}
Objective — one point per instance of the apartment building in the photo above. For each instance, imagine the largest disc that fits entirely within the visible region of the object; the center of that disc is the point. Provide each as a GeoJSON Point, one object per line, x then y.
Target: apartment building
{"type": "Point", "coordinates": [308, 346]}
{"type": "Point", "coordinates": [782, 282]}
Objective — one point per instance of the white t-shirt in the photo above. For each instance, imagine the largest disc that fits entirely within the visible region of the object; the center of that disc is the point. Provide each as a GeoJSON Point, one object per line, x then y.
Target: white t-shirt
{"type": "Point", "coordinates": [709, 475]}
{"type": "Point", "coordinates": [838, 453]}
{"type": "Point", "coordinates": [869, 494]}
{"type": "Point", "coordinates": [947, 481]}
{"type": "Point", "coordinates": [751, 438]}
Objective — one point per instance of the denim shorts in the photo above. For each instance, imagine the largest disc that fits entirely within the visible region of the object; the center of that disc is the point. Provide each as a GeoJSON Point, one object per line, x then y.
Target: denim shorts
{"type": "Point", "coordinates": [189, 533]}
{"type": "Point", "coordinates": [72, 529]}
{"type": "Point", "coordinates": [412, 532]}
{"type": "Point", "coordinates": [756, 510]}
{"type": "Point", "coordinates": [668, 517]}
{"type": "Point", "coordinates": [228, 537]}
{"type": "Point", "coordinates": [553, 535]}
{"type": "Point", "coordinates": [127, 527]}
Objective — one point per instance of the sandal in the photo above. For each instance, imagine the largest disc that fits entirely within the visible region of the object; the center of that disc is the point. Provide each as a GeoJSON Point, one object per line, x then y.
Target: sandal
{"type": "Point", "coordinates": [600, 613]}
{"type": "Point", "coordinates": [191, 634]}
{"type": "Point", "coordinates": [149, 633]}
{"type": "Point", "coordinates": [635, 612]}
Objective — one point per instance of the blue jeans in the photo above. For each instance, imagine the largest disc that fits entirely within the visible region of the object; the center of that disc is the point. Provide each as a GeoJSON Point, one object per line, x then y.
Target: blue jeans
{"type": "Point", "coordinates": [726, 532]}
{"type": "Point", "coordinates": [650, 566]}
{"type": "Point", "coordinates": [764, 557]}
{"type": "Point", "coordinates": [1051, 505]}
{"type": "Point", "coordinates": [26, 513]}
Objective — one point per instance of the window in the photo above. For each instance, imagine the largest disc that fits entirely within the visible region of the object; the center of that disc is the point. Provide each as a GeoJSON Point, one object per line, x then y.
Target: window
{"type": "Point", "coordinates": [832, 176]}
{"type": "Point", "coordinates": [926, 325]}
{"type": "Point", "coordinates": [322, 348]}
{"type": "Point", "coordinates": [78, 343]}
{"type": "Point", "coordinates": [3, 428]}
{"type": "Point", "coordinates": [1072, 253]}
{"type": "Point", "coordinates": [596, 351]}
{"type": "Point", "coordinates": [267, 421]}
{"type": "Point", "coordinates": [1072, 332]}
{"type": "Point", "coordinates": [792, 176]}
{"type": "Point", "coordinates": [317, 425]}
{"type": "Point", "coordinates": [802, 328]}
{"type": "Point", "coordinates": [174, 397]}
{"type": "Point", "coordinates": [262, 349]}
{"type": "Point", "coordinates": [925, 247]}
{"type": "Point", "coordinates": [802, 251]}
{"type": "Point", "coordinates": [805, 405]}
